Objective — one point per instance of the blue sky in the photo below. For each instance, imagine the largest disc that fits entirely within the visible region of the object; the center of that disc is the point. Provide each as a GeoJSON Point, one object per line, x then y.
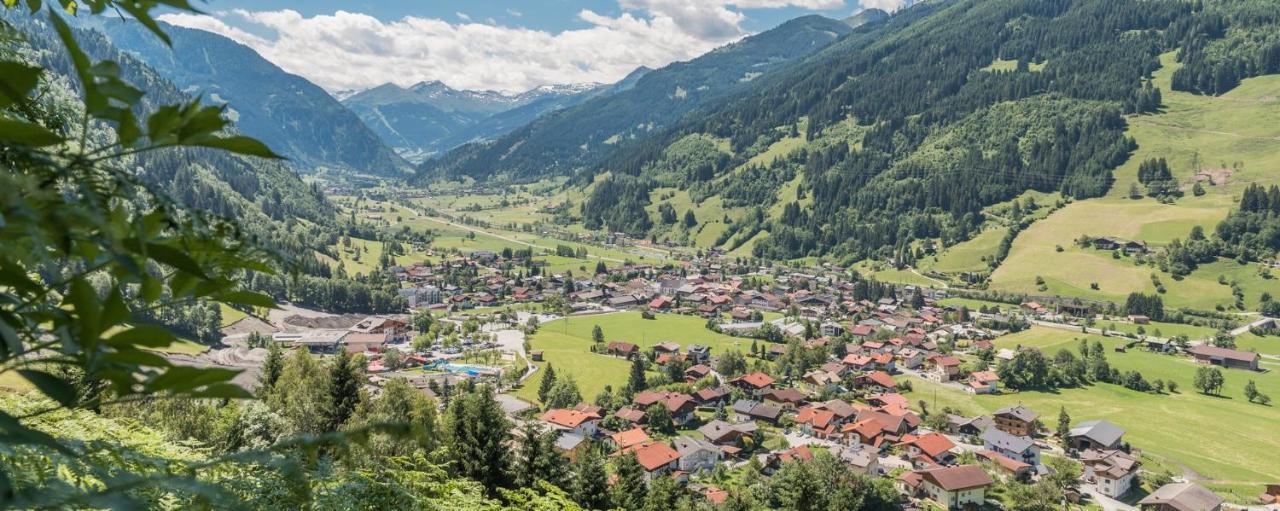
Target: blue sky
{"type": "Point", "coordinates": [503, 45]}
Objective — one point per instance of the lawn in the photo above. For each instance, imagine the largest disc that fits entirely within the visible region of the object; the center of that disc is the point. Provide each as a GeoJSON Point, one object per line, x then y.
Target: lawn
{"type": "Point", "coordinates": [1187, 428]}
{"type": "Point", "coordinates": [230, 314]}
{"type": "Point", "coordinates": [885, 273]}
{"type": "Point", "coordinates": [971, 255]}
{"type": "Point", "coordinates": [1232, 132]}
{"type": "Point", "coordinates": [567, 346]}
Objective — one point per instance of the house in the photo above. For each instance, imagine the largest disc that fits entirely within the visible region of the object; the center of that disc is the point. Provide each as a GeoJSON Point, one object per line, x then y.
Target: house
{"type": "Point", "coordinates": [755, 383]}
{"type": "Point", "coordinates": [1016, 420]}
{"type": "Point", "coordinates": [773, 461]}
{"type": "Point", "coordinates": [959, 425]}
{"type": "Point", "coordinates": [696, 455]}
{"type": "Point", "coordinates": [1181, 497]}
{"type": "Point", "coordinates": [1013, 469]}
{"type": "Point", "coordinates": [910, 358]}
{"type": "Point", "coordinates": [711, 396]}
{"type": "Point", "coordinates": [1139, 319]}
{"type": "Point", "coordinates": [787, 399]}
{"type": "Point", "coordinates": [570, 445]}
{"type": "Point", "coordinates": [622, 349]}
{"type": "Point", "coordinates": [723, 433]}
{"type": "Point", "coordinates": [667, 347]}
{"type": "Point", "coordinates": [1112, 472]}
{"type": "Point", "coordinates": [698, 354]}
{"type": "Point", "coordinates": [820, 380]}
{"type": "Point", "coordinates": [983, 382]}
{"type": "Point", "coordinates": [632, 415]}
{"type": "Point", "coordinates": [657, 458]}
{"type": "Point", "coordinates": [661, 303]}
{"type": "Point", "coordinates": [746, 409]}
{"type": "Point", "coordinates": [1096, 434]}
{"type": "Point", "coordinates": [877, 381]}
{"type": "Point", "coordinates": [950, 487]}
{"type": "Point", "coordinates": [816, 421]}
{"type": "Point", "coordinates": [628, 438]}
{"type": "Point", "coordinates": [929, 450]}
{"type": "Point", "coordinates": [1019, 448]}
{"type": "Point", "coordinates": [679, 404]}
{"type": "Point", "coordinates": [572, 421]}
{"type": "Point", "coordinates": [863, 461]}
{"type": "Point", "coordinates": [696, 372]}
{"type": "Point", "coordinates": [942, 368]}
{"type": "Point", "coordinates": [1107, 243]}
{"type": "Point", "coordinates": [1206, 354]}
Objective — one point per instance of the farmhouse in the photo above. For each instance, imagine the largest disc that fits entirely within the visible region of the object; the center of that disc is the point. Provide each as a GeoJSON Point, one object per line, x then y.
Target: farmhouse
{"type": "Point", "coordinates": [1096, 434]}
{"type": "Point", "coordinates": [950, 487]}
{"type": "Point", "coordinates": [1016, 420]}
{"type": "Point", "coordinates": [1111, 471]}
{"type": "Point", "coordinates": [1224, 357]}
{"type": "Point", "coordinates": [1019, 448]}
{"type": "Point", "coordinates": [1181, 497]}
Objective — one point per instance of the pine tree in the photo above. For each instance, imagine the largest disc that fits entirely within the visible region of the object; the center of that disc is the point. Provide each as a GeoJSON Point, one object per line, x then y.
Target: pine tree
{"type": "Point", "coordinates": [597, 334]}
{"type": "Point", "coordinates": [544, 386]}
{"type": "Point", "coordinates": [478, 433]}
{"type": "Point", "coordinates": [344, 389]}
{"type": "Point", "coordinates": [591, 486]}
{"type": "Point", "coordinates": [636, 382]}
{"type": "Point", "coordinates": [537, 459]}
{"type": "Point", "coordinates": [629, 492]}
{"type": "Point", "coordinates": [1064, 425]}
{"type": "Point", "coordinates": [271, 367]}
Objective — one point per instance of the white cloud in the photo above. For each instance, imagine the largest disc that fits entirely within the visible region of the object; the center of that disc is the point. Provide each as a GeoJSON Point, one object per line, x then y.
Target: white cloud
{"type": "Point", "coordinates": [348, 50]}
{"type": "Point", "coordinates": [885, 5]}
{"type": "Point", "coordinates": [462, 16]}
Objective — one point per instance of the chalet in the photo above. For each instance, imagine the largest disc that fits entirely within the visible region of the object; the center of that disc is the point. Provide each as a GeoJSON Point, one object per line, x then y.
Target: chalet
{"type": "Point", "coordinates": [863, 461]}
{"type": "Point", "coordinates": [929, 450]}
{"type": "Point", "coordinates": [817, 421]}
{"type": "Point", "coordinates": [661, 303]}
{"type": "Point", "coordinates": [959, 425]}
{"type": "Point", "coordinates": [364, 343]}
{"type": "Point", "coordinates": [680, 405]}
{"type": "Point", "coordinates": [1019, 448]}
{"type": "Point", "coordinates": [787, 399]}
{"type": "Point", "coordinates": [1107, 243]}
{"type": "Point", "coordinates": [628, 438]}
{"type": "Point", "coordinates": [910, 358]}
{"type": "Point", "coordinates": [950, 487]}
{"type": "Point", "coordinates": [1013, 469]}
{"type": "Point", "coordinates": [711, 396]}
{"type": "Point", "coordinates": [1139, 319]}
{"type": "Point", "coordinates": [1095, 434]}
{"type": "Point", "coordinates": [982, 382]}
{"type": "Point", "coordinates": [774, 460]}
{"type": "Point", "coordinates": [755, 383]}
{"type": "Point", "coordinates": [1112, 472]}
{"type": "Point", "coordinates": [572, 421]}
{"type": "Point", "coordinates": [746, 409]}
{"type": "Point", "coordinates": [621, 301]}
{"type": "Point", "coordinates": [696, 372]}
{"type": "Point", "coordinates": [1181, 497]}
{"type": "Point", "coordinates": [877, 381]}
{"type": "Point", "coordinates": [858, 362]}
{"type": "Point", "coordinates": [1016, 420]}
{"type": "Point", "coordinates": [723, 433]}
{"type": "Point", "coordinates": [862, 332]}
{"type": "Point", "coordinates": [1206, 354]}
{"type": "Point", "coordinates": [657, 458]}
{"type": "Point", "coordinates": [696, 455]}
{"type": "Point", "coordinates": [820, 380]}
{"type": "Point", "coordinates": [622, 349]}
{"type": "Point", "coordinates": [632, 415]}
{"type": "Point", "coordinates": [942, 368]}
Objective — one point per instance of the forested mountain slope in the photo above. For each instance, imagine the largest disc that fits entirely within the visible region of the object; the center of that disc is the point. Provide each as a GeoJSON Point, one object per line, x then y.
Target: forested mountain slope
{"type": "Point", "coordinates": [579, 137]}
{"type": "Point", "coordinates": [295, 117]}
{"type": "Point", "coordinates": [909, 128]}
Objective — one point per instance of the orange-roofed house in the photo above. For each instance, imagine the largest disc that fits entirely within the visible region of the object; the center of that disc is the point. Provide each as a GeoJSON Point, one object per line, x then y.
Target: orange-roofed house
{"type": "Point", "coordinates": [942, 368]}
{"type": "Point", "coordinates": [929, 450]}
{"type": "Point", "coordinates": [572, 421]}
{"type": "Point", "coordinates": [756, 383]}
{"type": "Point", "coordinates": [877, 381]}
{"type": "Point", "coordinates": [950, 487]}
{"type": "Point", "coordinates": [628, 438]}
{"type": "Point", "coordinates": [982, 382]}
{"type": "Point", "coordinates": [657, 458]}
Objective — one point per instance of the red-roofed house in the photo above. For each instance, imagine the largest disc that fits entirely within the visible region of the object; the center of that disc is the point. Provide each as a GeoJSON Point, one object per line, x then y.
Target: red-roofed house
{"type": "Point", "coordinates": [629, 438]}
{"type": "Point", "coordinates": [929, 450]}
{"type": "Point", "coordinates": [982, 382]}
{"type": "Point", "coordinates": [572, 421]}
{"type": "Point", "coordinates": [657, 458]}
{"type": "Point", "coordinates": [756, 383]}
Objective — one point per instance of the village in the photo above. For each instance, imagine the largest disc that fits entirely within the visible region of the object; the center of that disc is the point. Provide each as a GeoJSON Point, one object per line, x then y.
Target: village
{"type": "Point", "coordinates": [825, 371]}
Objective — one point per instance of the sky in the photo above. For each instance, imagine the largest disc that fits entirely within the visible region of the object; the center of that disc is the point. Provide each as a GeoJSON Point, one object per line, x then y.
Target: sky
{"type": "Point", "coordinates": [504, 45]}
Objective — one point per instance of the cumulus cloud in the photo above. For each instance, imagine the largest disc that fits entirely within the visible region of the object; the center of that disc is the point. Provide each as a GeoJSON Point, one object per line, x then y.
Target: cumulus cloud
{"type": "Point", "coordinates": [885, 5]}
{"type": "Point", "coordinates": [347, 50]}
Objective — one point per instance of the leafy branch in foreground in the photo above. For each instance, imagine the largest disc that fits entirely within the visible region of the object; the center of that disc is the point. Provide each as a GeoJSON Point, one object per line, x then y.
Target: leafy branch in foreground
{"type": "Point", "coordinates": [89, 250]}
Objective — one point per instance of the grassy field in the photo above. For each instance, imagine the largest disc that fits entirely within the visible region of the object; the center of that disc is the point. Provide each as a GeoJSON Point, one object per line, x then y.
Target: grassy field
{"type": "Point", "coordinates": [1187, 428]}
{"type": "Point", "coordinates": [885, 273]}
{"type": "Point", "coordinates": [1231, 132]}
{"type": "Point", "coordinates": [567, 347]}
{"type": "Point", "coordinates": [970, 255]}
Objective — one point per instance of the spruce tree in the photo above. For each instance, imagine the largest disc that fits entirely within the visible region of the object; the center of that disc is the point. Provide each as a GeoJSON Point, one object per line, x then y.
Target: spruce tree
{"type": "Point", "coordinates": [1064, 425]}
{"type": "Point", "coordinates": [344, 389]}
{"type": "Point", "coordinates": [271, 367]}
{"type": "Point", "coordinates": [630, 491]}
{"type": "Point", "coordinates": [544, 386]}
{"type": "Point", "coordinates": [478, 431]}
{"type": "Point", "coordinates": [636, 382]}
{"type": "Point", "coordinates": [591, 486]}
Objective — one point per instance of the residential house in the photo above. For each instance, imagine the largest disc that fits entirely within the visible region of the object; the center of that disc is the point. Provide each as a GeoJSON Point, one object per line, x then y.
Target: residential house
{"type": "Point", "coordinates": [696, 455]}
{"type": "Point", "coordinates": [746, 409]}
{"type": "Point", "coordinates": [929, 450]}
{"type": "Point", "coordinates": [679, 404]}
{"type": "Point", "coordinates": [1011, 468]}
{"type": "Point", "coordinates": [628, 438]}
{"type": "Point", "coordinates": [696, 372]}
{"type": "Point", "coordinates": [712, 396]}
{"type": "Point", "coordinates": [1020, 448]}
{"type": "Point", "coordinates": [1095, 434]}
{"type": "Point", "coordinates": [1181, 497]}
{"type": "Point", "coordinates": [877, 381]}
{"type": "Point", "coordinates": [959, 425]}
{"type": "Point", "coordinates": [756, 383]}
{"type": "Point", "coordinates": [1016, 420]}
{"type": "Point", "coordinates": [950, 487]}
{"type": "Point", "coordinates": [622, 349]}
{"type": "Point", "coordinates": [572, 421]}
{"type": "Point", "coordinates": [983, 382]}
{"type": "Point", "coordinates": [910, 358]}
{"type": "Point", "coordinates": [725, 434]}
{"type": "Point", "coordinates": [698, 354]}
{"type": "Point", "coordinates": [787, 399]}
{"type": "Point", "coordinates": [364, 343]}
{"type": "Point", "coordinates": [657, 458]}
{"type": "Point", "coordinates": [1112, 472]}
{"type": "Point", "coordinates": [942, 368]}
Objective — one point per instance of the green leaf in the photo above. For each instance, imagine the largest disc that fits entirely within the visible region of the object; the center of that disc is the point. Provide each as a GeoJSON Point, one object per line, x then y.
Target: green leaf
{"type": "Point", "coordinates": [13, 432]}
{"type": "Point", "coordinates": [150, 336]}
{"type": "Point", "coordinates": [85, 301]}
{"type": "Point", "coordinates": [181, 379]}
{"type": "Point", "coordinates": [240, 145]}
{"type": "Point", "coordinates": [136, 358]}
{"type": "Point", "coordinates": [175, 258]}
{"type": "Point", "coordinates": [223, 391]}
{"type": "Point", "coordinates": [51, 386]}
{"type": "Point", "coordinates": [28, 134]}
{"type": "Point", "coordinates": [249, 298]}
{"type": "Point", "coordinates": [12, 344]}
{"type": "Point", "coordinates": [17, 80]}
